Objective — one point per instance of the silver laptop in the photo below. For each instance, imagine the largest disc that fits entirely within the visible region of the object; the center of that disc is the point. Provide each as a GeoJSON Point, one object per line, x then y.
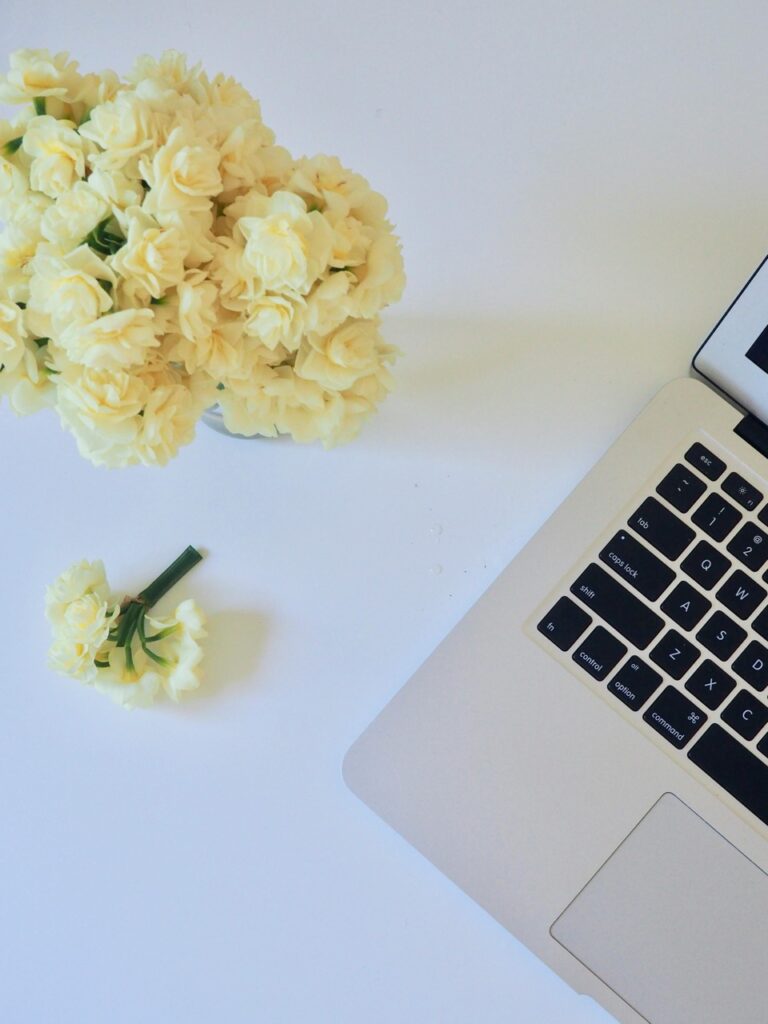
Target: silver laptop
{"type": "Point", "coordinates": [586, 754]}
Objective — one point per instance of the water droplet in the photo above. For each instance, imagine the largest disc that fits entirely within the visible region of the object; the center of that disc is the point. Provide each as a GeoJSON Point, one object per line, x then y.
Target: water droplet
{"type": "Point", "coordinates": [436, 569]}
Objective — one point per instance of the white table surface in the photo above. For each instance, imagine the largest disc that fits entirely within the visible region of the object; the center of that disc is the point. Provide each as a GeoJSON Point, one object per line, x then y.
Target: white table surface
{"type": "Point", "coordinates": [580, 190]}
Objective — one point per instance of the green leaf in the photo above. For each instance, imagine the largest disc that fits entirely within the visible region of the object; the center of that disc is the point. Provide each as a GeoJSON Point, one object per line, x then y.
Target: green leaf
{"type": "Point", "coordinates": [21, 305]}
{"type": "Point", "coordinates": [85, 118]}
{"type": "Point", "coordinates": [39, 102]}
{"type": "Point", "coordinates": [41, 342]}
{"type": "Point", "coordinates": [13, 145]}
{"type": "Point", "coordinates": [106, 285]}
{"type": "Point", "coordinates": [220, 387]}
{"type": "Point", "coordinates": [101, 664]}
{"type": "Point", "coordinates": [158, 302]}
{"type": "Point", "coordinates": [104, 241]}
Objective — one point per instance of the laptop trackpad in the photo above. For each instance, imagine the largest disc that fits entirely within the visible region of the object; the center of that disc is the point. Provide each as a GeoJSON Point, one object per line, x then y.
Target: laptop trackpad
{"type": "Point", "coordinates": [675, 923]}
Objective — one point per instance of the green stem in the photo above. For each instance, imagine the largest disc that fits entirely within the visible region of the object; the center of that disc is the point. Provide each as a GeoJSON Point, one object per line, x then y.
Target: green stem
{"type": "Point", "coordinates": [13, 144]}
{"type": "Point", "coordinates": [143, 641]}
{"type": "Point", "coordinates": [170, 577]}
{"type": "Point", "coordinates": [39, 102]}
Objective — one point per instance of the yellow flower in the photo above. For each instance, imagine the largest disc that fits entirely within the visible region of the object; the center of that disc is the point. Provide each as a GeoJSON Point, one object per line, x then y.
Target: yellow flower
{"type": "Point", "coordinates": [113, 342]}
{"type": "Point", "coordinates": [58, 155]}
{"type": "Point", "coordinates": [183, 174]}
{"type": "Point", "coordinates": [380, 280]}
{"type": "Point", "coordinates": [78, 581]}
{"type": "Point", "coordinates": [39, 73]}
{"type": "Point", "coordinates": [152, 257]}
{"type": "Point", "coordinates": [66, 292]}
{"type": "Point", "coordinates": [286, 248]}
{"type": "Point", "coordinates": [168, 423]}
{"type": "Point", "coordinates": [338, 359]}
{"type": "Point", "coordinates": [101, 408]}
{"type": "Point", "coordinates": [122, 128]}
{"type": "Point", "coordinates": [12, 337]}
{"type": "Point", "coordinates": [74, 215]}
{"type": "Point", "coordinates": [276, 320]}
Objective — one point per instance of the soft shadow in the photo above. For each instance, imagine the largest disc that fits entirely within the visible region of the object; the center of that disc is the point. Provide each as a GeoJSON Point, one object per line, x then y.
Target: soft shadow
{"type": "Point", "coordinates": [233, 648]}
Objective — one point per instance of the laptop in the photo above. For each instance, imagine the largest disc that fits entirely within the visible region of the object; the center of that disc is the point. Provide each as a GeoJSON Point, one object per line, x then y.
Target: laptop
{"type": "Point", "coordinates": [586, 753]}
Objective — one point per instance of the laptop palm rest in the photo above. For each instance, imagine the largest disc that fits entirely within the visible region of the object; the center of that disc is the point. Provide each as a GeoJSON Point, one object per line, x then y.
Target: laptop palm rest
{"type": "Point", "coordinates": [675, 923]}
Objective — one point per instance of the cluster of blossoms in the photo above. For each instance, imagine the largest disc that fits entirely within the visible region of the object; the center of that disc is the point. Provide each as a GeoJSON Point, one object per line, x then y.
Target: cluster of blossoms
{"type": "Point", "coordinates": [114, 645]}
{"type": "Point", "coordinates": [161, 254]}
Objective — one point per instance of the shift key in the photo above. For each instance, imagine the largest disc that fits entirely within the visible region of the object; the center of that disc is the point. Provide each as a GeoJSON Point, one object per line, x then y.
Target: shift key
{"type": "Point", "coordinates": [616, 606]}
{"type": "Point", "coordinates": [637, 566]}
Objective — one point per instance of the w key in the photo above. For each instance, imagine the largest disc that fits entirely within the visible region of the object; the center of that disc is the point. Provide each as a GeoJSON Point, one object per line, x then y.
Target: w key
{"type": "Point", "coordinates": [740, 594]}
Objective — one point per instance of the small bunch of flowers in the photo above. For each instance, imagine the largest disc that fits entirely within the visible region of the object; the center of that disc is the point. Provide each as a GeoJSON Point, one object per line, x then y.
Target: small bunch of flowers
{"type": "Point", "coordinates": [114, 644]}
{"type": "Point", "coordinates": [162, 254]}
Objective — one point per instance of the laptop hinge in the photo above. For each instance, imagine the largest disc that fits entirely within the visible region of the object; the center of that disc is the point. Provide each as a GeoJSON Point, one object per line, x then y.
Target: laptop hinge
{"type": "Point", "coordinates": [754, 432]}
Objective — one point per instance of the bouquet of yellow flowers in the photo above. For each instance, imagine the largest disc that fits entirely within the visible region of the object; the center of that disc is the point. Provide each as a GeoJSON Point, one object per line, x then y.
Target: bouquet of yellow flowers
{"type": "Point", "coordinates": [161, 254]}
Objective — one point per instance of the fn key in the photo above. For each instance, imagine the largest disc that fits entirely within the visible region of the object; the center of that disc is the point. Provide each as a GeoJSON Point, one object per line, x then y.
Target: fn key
{"type": "Point", "coordinates": [564, 624]}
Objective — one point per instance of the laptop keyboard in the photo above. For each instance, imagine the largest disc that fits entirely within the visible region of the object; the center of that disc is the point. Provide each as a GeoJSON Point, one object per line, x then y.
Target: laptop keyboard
{"type": "Point", "coordinates": [672, 616]}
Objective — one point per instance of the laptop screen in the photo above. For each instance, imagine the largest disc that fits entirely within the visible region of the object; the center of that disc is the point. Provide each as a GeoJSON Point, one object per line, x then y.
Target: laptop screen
{"type": "Point", "coordinates": [758, 352]}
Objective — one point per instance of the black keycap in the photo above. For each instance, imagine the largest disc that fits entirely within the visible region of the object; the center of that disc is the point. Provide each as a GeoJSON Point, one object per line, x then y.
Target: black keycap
{"type": "Point", "coordinates": [564, 624]}
{"type": "Point", "coordinates": [661, 528]}
{"type": "Point", "coordinates": [675, 717]}
{"type": "Point", "coordinates": [634, 683]}
{"type": "Point", "coordinates": [681, 488]}
{"type": "Point", "coordinates": [750, 545]}
{"type": "Point", "coordinates": [600, 653]}
{"type": "Point", "coordinates": [746, 715]}
{"type": "Point", "coordinates": [742, 491]}
{"type": "Point", "coordinates": [615, 605]}
{"type": "Point", "coordinates": [686, 606]}
{"type": "Point", "coordinates": [721, 635]}
{"type": "Point", "coordinates": [703, 459]}
{"type": "Point", "coordinates": [710, 684]}
{"type": "Point", "coordinates": [705, 564]}
{"type": "Point", "coordinates": [752, 665]}
{"type": "Point", "coordinates": [760, 624]}
{"type": "Point", "coordinates": [740, 594]}
{"type": "Point", "coordinates": [733, 767]}
{"type": "Point", "coordinates": [637, 566]}
{"type": "Point", "coordinates": [716, 517]}
{"type": "Point", "coordinates": [674, 654]}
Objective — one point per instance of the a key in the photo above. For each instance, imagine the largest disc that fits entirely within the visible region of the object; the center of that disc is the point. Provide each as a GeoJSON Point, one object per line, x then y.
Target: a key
{"type": "Point", "coordinates": [681, 488]}
{"type": "Point", "coordinates": [733, 767]}
{"type": "Point", "coordinates": [742, 491]}
{"type": "Point", "coordinates": [705, 564]}
{"type": "Point", "coordinates": [703, 459]}
{"type": "Point", "coordinates": [746, 715]}
{"type": "Point", "coordinates": [750, 546]}
{"type": "Point", "coordinates": [710, 684]}
{"type": "Point", "coordinates": [674, 654]}
{"type": "Point", "coordinates": [613, 603]}
{"type": "Point", "coordinates": [634, 683]}
{"type": "Point", "coordinates": [675, 717]}
{"type": "Point", "coordinates": [686, 606]}
{"type": "Point", "coordinates": [599, 653]}
{"type": "Point", "coordinates": [716, 517]}
{"type": "Point", "coordinates": [564, 624]}
{"type": "Point", "coordinates": [661, 528]}
{"type": "Point", "coordinates": [752, 665]}
{"type": "Point", "coordinates": [740, 594]}
{"type": "Point", "coordinates": [721, 635]}
{"type": "Point", "coordinates": [636, 565]}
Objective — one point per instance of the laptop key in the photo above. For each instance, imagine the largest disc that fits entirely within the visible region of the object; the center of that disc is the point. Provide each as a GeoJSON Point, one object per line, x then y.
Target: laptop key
{"type": "Point", "coordinates": [752, 665]}
{"type": "Point", "coordinates": [634, 683]}
{"type": "Point", "coordinates": [746, 715]}
{"type": "Point", "coordinates": [661, 528]}
{"type": "Point", "coordinates": [674, 654]}
{"type": "Point", "coordinates": [637, 566]}
{"type": "Point", "coordinates": [716, 517]}
{"type": "Point", "coordinates": [710, 684]}
{"type": "Point", "coordinates": [740, 594]}
{"type": "Point", "coordinates": [703, 459]}
{"type": "Point", "coordinates": [742, 491]}
{"type": "Point", "coordinates": [681, 488]}
{"type": "Point", "coordinates": [760, 624]}
{"type": "Point", "coordinates": [705, 565]}
{"type": "Point", "coordinates": [613, 603]}
{"type": "Point", "coordinates": [725, 760]}
{"type": "Point", "coordinates": [686, 605]}
{"type": "Point", "coordinates": [599, 653]}
{"type": "Point", "coordinates": [750, 546]}
{"type": "Point", "coordinates": [721, 635]}
{"type": "Point", "coordinates": [564, 624]}
{"type": "Point", "coordinates": [675, 717]}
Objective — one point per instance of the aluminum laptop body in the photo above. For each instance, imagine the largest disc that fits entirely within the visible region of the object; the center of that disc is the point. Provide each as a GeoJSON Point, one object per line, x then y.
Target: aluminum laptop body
{"type": "Point", "coordinates": [586, 753]}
